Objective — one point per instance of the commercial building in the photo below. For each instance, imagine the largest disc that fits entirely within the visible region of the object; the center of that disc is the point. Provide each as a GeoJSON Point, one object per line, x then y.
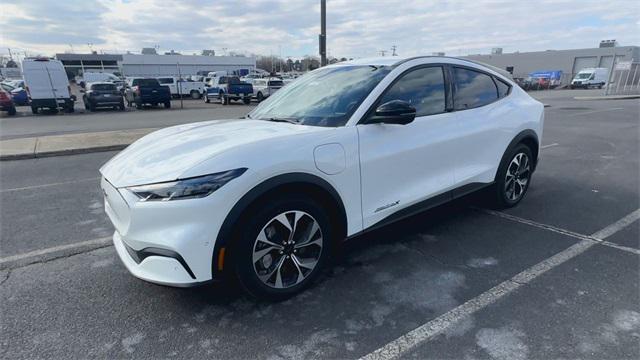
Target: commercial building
{"type": "Point", "coordinates": [76, 64]}
{"type": "Point", "coordinates": [174, 65]}
{"type": "Point", "coordinates": [570, 62]}
{"type": "Point", "coordinates": [153, 65]}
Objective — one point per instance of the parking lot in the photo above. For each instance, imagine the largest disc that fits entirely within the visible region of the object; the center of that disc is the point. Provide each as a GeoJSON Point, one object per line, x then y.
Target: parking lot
{"type": "Point", "coordinates": [555, 277]}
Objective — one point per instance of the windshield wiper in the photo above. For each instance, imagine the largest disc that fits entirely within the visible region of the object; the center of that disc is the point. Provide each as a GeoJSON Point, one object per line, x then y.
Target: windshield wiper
{"type": "Point", "coordinates": [290, 120]}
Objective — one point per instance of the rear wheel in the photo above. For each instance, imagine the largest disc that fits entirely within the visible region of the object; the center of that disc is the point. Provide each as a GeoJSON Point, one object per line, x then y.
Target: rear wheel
{"type": "Point", "coordinates": [282, 247]}
{"type": "Point", "coordinates": [167, 104]}
{"type": "Point", "coordinates": [246, 100]}
{"type": "Point", "coordinates": [12, 111]}
{"type": "Point", "coordinates": [224, 100]}
{"type": "Point", "coordinates": [260, 97]}
{"type": "Point", "coordinates": [206, 98]}
{"type": "Point", "coordinates": [121, 106]}
{"type": "Point", "coordinates": [70, 109]}
{"type": "Point", "coordinates": [514, 177]}
{"type": "Point", "coordinates": [34, 109]}
{"type": "Point", "coordinates": [195, 94]}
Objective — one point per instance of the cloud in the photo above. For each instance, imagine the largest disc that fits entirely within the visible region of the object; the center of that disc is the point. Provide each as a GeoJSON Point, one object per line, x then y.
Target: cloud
{"type": "Point", "coordinates": [355, 28]}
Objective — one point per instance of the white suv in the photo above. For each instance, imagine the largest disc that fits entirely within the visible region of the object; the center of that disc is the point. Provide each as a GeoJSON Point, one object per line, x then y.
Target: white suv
{"type": "Point", "coordinates": [344, 149]}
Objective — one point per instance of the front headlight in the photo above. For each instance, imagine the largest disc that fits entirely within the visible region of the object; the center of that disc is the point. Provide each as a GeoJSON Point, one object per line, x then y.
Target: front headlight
{"type": "Point", "coordinates": [196, 187]}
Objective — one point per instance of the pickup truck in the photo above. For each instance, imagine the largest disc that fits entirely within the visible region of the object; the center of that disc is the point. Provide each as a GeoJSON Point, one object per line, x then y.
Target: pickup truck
{"type": "Point", "coordinates": [181, 87]}
{"type": "Point", "coordinates": [141, 91]}
{"type": "Point", "coordinates": [227, 88]}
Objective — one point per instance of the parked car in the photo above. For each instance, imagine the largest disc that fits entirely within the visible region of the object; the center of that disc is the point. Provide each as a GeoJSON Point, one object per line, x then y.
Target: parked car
{"type": "Point", "coordinates": [342, 150]}
{"type": "Point", "coordinates": [142, 91]}
{"type": "Point", "coordinates": [102, 94]}
{"type": "Point", "coordinates": [95, 77]}
{"type": "Point", "coordinates": [590, 77]}
{"type": "Point", "coordinates": [226, 88]}
{"type": "Point", "coordinates": [179, 87]}
{"type": "Point", "coordinates": [6, 103]}
{"type": "Point", "coordinates": [47, 85]}
{"type": "Point", "coordinates": [15, 83]}
{"type": "Point", "coordinates": [263, 88]}
{"type": "Point", "coordinates": [18, 94]}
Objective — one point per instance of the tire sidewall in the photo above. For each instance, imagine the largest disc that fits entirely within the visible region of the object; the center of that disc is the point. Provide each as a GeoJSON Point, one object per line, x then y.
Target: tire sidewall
{"type": "Point", "coordinates": [501, 196]}
{"type": "Point", "coordinates": [253, 224]}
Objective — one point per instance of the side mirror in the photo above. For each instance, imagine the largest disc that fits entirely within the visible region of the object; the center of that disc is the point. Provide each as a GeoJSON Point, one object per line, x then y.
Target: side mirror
{"type": "Point", "coordinates": [394, 112]}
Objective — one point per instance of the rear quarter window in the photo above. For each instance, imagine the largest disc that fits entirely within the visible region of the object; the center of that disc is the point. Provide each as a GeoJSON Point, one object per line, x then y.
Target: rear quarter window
{"type": "Point", "coordinates": [473, 89]}
{"type": "Point", "coordinates": [503, 88]}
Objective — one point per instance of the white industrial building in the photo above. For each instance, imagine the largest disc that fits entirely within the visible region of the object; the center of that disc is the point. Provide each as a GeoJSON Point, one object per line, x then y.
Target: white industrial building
{"type": "Point", "coordinates": [174, 65]}
{"type": "Point", "coordinates": [570, 62]}
{"type": "Point", "coordinates": [153, 65]}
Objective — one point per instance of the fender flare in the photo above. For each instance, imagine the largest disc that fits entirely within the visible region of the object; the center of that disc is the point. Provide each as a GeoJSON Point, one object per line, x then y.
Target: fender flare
{"type": "Point", "coordinates": [226, 229]}
{"type": "Point", "coordinates": [527, 134]}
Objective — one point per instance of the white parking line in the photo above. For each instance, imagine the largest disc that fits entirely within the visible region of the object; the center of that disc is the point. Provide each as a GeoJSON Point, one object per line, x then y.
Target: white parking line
{"type": "Point", "coordinates": [104, 241]}
{"type": "Point", "coordinates": [49, 185]}
{"type": "Point", "coordinates": [423, 333]}
{"type": "Point", "coordinates": [548, 146]}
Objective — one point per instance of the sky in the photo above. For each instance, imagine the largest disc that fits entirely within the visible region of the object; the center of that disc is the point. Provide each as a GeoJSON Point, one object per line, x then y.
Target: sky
{"type": "Point", "coordinates": [290, 28]}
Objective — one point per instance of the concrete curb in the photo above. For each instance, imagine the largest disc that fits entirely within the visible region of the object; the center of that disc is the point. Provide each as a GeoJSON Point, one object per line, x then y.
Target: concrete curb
{"type": "Point", "coordinates": [608, 97]}
{"type": "Point", "coordinates": [69, 144]}
{"type": "Point", "coordinates": [44, 154]}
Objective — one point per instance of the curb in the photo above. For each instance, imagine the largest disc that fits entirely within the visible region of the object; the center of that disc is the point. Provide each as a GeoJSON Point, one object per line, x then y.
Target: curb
{"type": "Point", "coordinates": [610, 97]}
{"type": "Point", "coordinates": [44, 154]}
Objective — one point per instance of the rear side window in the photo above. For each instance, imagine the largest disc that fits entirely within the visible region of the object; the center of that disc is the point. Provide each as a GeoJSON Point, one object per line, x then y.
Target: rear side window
{"type": "Point", "coordinates": [103, 87]}
{"type": "Point", "coordinates": [503, 88]}
{"type": "Point", "coordinates": [165, 80]}
{"type": "Point", "coordinates": [473, 89]}
{"type": "Point", "coordinates": [422, 88]}
{"type": "Point", "coordinates": [145, 82]}
{"type": "Point", "coordinates": [276, 83]}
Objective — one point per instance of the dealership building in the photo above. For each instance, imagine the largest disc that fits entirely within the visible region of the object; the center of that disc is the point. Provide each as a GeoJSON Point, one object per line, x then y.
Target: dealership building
{"type": "Point", "coordinates": [570, 62]}
{"type": "Point", "coordinates": [153, 65]}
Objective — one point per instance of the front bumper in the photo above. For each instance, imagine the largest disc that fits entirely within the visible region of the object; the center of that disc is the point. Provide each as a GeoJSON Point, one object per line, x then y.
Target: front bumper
{"type": "Point", "coordinates": [165, 242]}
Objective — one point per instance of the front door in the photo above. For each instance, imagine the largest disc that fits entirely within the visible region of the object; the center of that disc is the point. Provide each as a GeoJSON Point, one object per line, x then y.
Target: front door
{"type": "Point", "coordinates": [404, 165]}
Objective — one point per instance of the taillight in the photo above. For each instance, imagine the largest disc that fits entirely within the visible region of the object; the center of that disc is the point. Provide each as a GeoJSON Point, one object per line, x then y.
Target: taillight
{"type": "Point", "coordinates": [3, 95]}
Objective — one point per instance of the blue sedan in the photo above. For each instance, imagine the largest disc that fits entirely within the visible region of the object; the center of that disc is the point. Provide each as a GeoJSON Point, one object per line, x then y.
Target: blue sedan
{"type": "Point", "coordinates": [18, 94]}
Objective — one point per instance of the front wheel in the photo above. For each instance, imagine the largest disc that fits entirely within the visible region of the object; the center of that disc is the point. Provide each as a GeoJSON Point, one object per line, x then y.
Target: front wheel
{"type": "Point", "coordinates": [195, 94]}
{"type": "Point", "coordinates": [12, 111]}
{"type": "Point", "coordinates": [282, 247]}
{"type": "Point", "coordinates": [167, 104]}
{"type": "Point", "coordinates": [513, 178]}
{"type": "Point", "coordinates": [259, 97]}
{"type": "Point", "coordinates": [247, 100]}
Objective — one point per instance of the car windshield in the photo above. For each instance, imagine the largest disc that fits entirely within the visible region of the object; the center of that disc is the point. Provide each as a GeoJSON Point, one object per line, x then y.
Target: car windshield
{"type": "Point", "coordinates": [145, 82]}
{"type": "Point", "coordinates": [324, 97]}
{"type": "Point", "coordinates": [583, 75]}
{"type": "Point", "coordinates": [104, 87]}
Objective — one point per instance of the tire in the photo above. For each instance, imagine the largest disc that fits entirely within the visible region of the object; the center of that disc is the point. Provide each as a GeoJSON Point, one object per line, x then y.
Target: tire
{"type": "Point", "coordinates": [260, 97]}
{"type": "Point", "coordinates": [92, 107]}
{"type": "Point", "coordinates": [34, 110]}
{"type": "Point", "coordinates": [224, 100]}
{"type": "Point", "coordinates": [280, 264]}
{"type": "Point", "coordinates": [121, 106]}
{"type": "Point", "coordinates": [513, 177]}
{"type": "Point", "coordinates": [70, 109]}
{"type": "Point", "coordinates": [206, 98]}
{"type": "Point", "coordinates": [138, 106]}
{"type": "Point", "coordinates": [12, 111]}
{"type": "Point", "coordinates": [167, 105]}
{"type": "Point", "coordinates": [247, 100]}
{"type": "Point", "coordinates": [195, 94]}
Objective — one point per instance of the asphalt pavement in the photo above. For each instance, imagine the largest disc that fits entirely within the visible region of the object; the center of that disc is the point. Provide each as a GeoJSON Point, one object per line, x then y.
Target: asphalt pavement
{"type": "Point", "coordinates": [555, 277]}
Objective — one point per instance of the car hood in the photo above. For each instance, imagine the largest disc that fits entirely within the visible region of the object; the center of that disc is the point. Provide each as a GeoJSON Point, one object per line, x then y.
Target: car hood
{"type": "Point", "coordinates": [166, 154]}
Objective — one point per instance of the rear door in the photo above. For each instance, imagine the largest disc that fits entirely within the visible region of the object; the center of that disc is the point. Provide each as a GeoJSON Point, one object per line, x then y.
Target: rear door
{"type": "Point", "coordinates": [37, 80]}
{"type": "Point", "coordinates": [404, 165]}
{"type": "Point", "coordinates": [58, 79]}
{"type": "Point", "coordinates": [484, 122]}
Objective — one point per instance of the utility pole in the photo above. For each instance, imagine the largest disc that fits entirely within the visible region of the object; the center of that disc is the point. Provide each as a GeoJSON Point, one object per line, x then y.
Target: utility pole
{"type": "Point", "coordinates": [393, 49]}
{"type": "Point", "coordinates": [323, 32]}
{"type": "Point", "coordinates": [383, 52]}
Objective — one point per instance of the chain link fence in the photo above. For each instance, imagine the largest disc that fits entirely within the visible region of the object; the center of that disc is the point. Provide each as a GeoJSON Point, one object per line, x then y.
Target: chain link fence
{"type": "Point", "coordinates": [624, 78]}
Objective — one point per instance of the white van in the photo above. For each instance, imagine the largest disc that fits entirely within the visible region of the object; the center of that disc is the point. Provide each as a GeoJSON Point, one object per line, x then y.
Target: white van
{"type": "Point", "coordinates": [590, 77]}
{"type": "Point", "coordinates": [47, 84]}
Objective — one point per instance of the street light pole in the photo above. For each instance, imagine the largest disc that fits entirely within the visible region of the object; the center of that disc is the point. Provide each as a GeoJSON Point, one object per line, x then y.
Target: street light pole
{"type": "Point", "coordinates": [323, 32]}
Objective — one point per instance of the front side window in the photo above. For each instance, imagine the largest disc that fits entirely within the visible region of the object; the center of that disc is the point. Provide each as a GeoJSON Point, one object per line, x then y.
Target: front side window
{"type": "Point", "coordinates": [423, 88]}
{"type": "Point", "coordinates": [324, 97]}
{"type": "Point", "coordinates": [473, 89]}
